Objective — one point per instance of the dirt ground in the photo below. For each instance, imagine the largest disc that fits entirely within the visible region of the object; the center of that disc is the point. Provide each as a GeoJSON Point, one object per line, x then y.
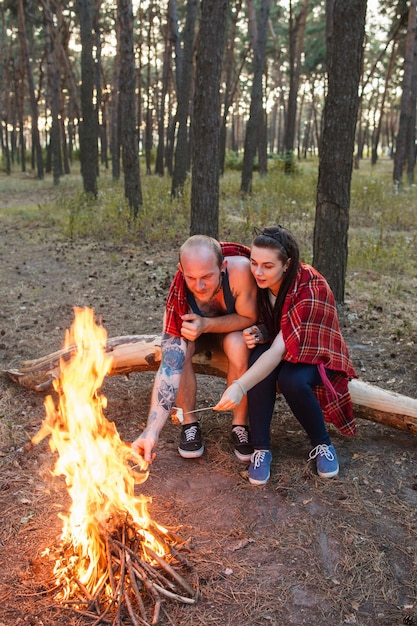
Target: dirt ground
{"type": "Point", "coordinates": [299, 550]}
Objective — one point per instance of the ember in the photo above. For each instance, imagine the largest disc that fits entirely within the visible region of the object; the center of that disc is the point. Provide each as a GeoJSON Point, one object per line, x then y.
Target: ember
{"type": "Point", "coordinates": [113, 560]}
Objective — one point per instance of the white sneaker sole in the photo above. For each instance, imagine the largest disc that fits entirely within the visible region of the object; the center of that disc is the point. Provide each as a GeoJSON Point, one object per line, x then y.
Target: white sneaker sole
{"type": "Point", "coordinates": [243, 458]}
{"type": "Point", "coordinates": [193, 454]}
{"type": "Point", "coordinates": [328, 474]}
{"type": "Point", "coordinates": [253, 481]}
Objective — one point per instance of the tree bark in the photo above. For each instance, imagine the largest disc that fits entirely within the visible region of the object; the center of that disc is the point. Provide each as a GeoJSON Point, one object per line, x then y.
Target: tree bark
{"type": "Point", "coordinates": [297, 29]}
{"type": "Point", "coordinates": [89, 125]}
{"type": "Point", "coordinates": [206, 120]}
{"type": "Point", "coordinates": [231, 78]}
{"type": "Point", "coordinates": [256, 114]}
{"type": "Point", "coordinates": [184, 65]}
{"type": "Point", "coordinates": [138, 353]}
{"type": "Point", "coordinates": [377, 130]}
{"type": "Point", "coordinates": [53, 46]}
{"type": "Point", "coordinates": [24, 47]}
{"type": "Point", "coordinates": [344, 59]}
{"type": "Point", "coordinates": [408, 97]}
{"type": "Point", "coordinates": [150, 13]}
{"type": "Point", "coordinates": [166, 72]}
{"type": "Point", "coordinates": [115, 112]}
{"type": "Point", "coordinates": [128, 128]}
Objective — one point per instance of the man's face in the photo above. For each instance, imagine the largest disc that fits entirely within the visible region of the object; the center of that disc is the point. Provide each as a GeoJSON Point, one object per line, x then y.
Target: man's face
{"type": "Point", "coordinates": [201, 273]}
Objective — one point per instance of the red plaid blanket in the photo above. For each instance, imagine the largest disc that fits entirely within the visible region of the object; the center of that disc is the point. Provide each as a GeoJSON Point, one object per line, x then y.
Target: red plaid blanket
{"type": "Point", "coordinates": [311, 332]}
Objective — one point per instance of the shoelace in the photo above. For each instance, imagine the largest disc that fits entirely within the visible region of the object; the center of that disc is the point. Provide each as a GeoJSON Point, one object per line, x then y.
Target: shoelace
{"type": "Point", "coordinates": [190, 433]}
{"type": "Point", "coordinates": [258, 457]}
{"type": "Point", "coordinates": [321, 450]}
{"type": "Point", "coordinates": [241, 434]}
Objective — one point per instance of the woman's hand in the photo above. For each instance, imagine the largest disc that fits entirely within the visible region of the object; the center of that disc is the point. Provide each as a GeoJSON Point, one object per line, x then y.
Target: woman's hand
{"type": "Point", "coordinates": [252, 336]}
{"type": "Point", "coordinates": [231, 397]}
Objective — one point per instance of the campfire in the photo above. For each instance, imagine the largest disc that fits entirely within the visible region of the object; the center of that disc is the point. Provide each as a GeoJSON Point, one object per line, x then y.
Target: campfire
{"type": "Point", "coordinates": [114, 562]}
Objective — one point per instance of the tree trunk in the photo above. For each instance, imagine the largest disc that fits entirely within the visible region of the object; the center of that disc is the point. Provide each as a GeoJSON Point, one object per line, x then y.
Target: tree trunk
{"type": "Point", "coordinates": [101, 116]}
{"type": "Point", "coordinates": [297, 29]}
{"type": "Point", "coordinates": [149, 94]}
{"type": "Point", "coordinates": [53, 47]}
{"type": "Point", "coordinates": [263, 144]}
{"type": "Point", "coordinates": [139, 353]}
{"type": "Point", "coordinates": [184, 65]}
{"type": "Point", "coordinates": [115, 113]}
{"type": "Point", "coordinates": [166, 71]}
{"type": "Point", "coordinates": [19, 78]}
{"type": "Point", "coordinates": [408, 94]}
{"type": "Point", "coordinates": [231, 79]}
{"type": "Point", "coordinates": [377, 131]}
{"type": "Point", "coordinates": [256, 113]}
{"type": "Point", "coordinates": [206, 120]}
{"type": "Point", "coordinates": [344, 60]}
{"type": "Point", "coordinates": [411, 135]}
{"type": "Point", "coordinates": [128, 129]}
{"type": "Point", "coordinates": [88, 127]}
{"type": "Point", "coordinates": [24, 48]}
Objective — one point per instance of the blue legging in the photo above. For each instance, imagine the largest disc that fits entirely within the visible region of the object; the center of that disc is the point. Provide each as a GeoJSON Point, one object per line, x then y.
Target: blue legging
{"type": "Point", "coordinates": [295, 381]}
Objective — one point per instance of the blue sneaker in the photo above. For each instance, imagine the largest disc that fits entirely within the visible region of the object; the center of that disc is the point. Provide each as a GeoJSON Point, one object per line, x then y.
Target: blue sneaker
{"type": "Point", "coordinates": [326, 460]}
{"type": "Point", "coordinates": [259, 468]}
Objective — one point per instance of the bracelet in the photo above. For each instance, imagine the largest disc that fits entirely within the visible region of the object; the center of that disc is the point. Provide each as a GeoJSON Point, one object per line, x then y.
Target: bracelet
{"type": "Point", "coordinates": [241, 386]}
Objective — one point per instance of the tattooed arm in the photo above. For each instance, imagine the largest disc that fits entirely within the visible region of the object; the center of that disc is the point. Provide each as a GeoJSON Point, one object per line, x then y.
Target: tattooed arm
{"type": "Point", "coordinates": [164, 392]}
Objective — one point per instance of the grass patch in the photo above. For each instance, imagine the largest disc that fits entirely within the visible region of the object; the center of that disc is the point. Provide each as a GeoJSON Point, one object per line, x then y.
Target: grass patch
{"type": "Point", "coordinates": [383, 222]}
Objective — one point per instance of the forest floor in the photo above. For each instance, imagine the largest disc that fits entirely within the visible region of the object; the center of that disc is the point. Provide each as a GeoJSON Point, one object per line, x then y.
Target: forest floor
{"type": "Point", "coordinates": [300, 550]}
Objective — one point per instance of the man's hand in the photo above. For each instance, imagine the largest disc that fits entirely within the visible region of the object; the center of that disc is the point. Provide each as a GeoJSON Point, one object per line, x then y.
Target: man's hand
{"type": "Point", "coordinates": [193, 326]}
{"type": "Point", "coordinates": [145, 444]}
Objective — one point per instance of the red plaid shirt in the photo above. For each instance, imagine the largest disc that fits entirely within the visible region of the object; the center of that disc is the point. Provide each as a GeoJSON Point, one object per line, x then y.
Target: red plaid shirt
{"type": "Point", "coordinates": [177, 305]}
{"type": "Point", "coordinates": [311, 332]}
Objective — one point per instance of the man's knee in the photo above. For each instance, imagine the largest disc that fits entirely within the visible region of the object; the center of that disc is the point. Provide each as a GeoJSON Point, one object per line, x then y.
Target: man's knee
{"type": "Point", "coordinates": [235, 348]}
{"type": "Point", "coordinates": [190, 352]}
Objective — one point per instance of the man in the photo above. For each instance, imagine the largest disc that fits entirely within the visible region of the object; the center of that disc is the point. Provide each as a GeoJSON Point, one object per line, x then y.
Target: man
{"type": "Point", "coordinates": [213, 292]}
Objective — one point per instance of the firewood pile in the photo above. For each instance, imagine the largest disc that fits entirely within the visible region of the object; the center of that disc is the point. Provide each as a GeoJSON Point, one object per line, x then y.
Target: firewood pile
{"type": "Point", "coordinates": [136, 578]}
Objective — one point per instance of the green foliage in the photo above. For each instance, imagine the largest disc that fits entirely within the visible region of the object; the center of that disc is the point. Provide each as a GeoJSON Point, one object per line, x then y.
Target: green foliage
{"type": "Point", "coordinates": [382, 234]}
{"type": "Point", "coordinates": [277, 199]}
{"type": "Point", "coordinates": [232, 161]}
{"type": "Point", "coordinates": [382, 230]}
{"type": "Point", "coordinates": [108, 217]}
{"type": "Point", "coordinates": [87, 216]}
{"type": "Point", "coordinates": [285, 162]}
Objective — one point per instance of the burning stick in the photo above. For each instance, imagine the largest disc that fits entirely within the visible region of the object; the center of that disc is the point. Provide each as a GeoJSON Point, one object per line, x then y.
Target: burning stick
{"type": "Point", "coordinates": [111, 551]}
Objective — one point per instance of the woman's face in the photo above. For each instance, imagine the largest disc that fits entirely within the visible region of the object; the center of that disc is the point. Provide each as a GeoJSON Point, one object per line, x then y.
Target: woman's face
{"type": "Point", "coordinates": [267, 268]}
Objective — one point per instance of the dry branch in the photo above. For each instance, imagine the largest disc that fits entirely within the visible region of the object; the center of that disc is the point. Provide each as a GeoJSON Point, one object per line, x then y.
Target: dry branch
{"type": "Point", "coordinates": [137, 579]}
{"type": "Point", "coordinates": [138, 353]}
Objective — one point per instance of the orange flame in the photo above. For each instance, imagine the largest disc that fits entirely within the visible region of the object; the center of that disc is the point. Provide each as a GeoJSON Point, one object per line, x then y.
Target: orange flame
{"type": "Point", "coordinates": [94, 460]}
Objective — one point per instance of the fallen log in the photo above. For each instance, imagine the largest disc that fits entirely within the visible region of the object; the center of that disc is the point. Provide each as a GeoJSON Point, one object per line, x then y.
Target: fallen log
{"type": "Point", "coordinates": [138, 353]}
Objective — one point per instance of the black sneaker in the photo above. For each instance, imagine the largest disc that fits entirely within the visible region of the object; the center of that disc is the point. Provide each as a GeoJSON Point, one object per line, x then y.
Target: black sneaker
{"type": "Point", "coordinates": [191, 442]}
{"type": "Point", "coordinates": [241, 442]}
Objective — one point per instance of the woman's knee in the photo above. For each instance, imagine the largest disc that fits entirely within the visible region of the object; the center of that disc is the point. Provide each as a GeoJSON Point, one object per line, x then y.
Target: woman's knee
{"type": "Point", "coordinates": [298, 377]}
{"type": "Point", "coordinates": [257, 351]}
{"type": "Point", "coordinates": [292, 380]}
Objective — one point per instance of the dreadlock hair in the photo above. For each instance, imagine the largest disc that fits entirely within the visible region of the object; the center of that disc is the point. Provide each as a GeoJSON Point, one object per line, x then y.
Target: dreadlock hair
{"type": "Point", "coordinates": [283, 242]}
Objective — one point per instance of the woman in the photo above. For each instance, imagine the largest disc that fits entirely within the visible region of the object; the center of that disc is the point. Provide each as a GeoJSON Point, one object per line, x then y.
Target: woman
{"type": "Point", "coordinates": [297, 347]}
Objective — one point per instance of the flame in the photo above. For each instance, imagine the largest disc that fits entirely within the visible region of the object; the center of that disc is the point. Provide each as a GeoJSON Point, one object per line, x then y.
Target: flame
{"type": "Point", "coordinates": [96, 463]}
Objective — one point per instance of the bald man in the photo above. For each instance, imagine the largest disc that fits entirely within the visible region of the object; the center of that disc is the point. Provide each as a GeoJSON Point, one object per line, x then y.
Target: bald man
{"type": "Point", "coordinates": [214, 294]}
